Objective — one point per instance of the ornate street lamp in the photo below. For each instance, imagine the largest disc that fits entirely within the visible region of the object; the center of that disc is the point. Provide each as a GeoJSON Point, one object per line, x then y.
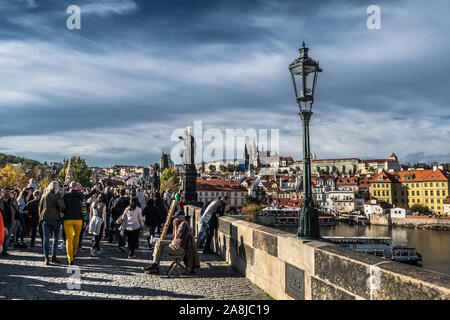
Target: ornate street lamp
{"type": "Point", "coordinates": [304, 72]}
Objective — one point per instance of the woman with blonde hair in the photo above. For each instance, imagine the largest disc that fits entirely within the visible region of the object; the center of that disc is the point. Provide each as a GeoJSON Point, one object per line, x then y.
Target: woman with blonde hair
{"type": "Point", "coordinates": [50, 207]}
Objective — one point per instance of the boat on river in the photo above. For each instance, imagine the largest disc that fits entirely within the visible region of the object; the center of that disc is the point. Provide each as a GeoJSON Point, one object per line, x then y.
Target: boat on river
{"type": "Point", "coordinates": [378, 246]}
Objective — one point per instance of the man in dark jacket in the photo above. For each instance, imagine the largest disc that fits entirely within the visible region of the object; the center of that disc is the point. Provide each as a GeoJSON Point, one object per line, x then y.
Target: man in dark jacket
{"type": "Point", "coordinates": [212, 218]}
{"type": "Point", "coordinates": [202, 233]}
{"type": "Point", "coordinates": [111, 220]}
{"type": "Point", "coordinates": [108, 196]}
{"type": "Point", "coordinates": [159, 205]}
{"type": "Point", "coordinates": [33, 210]}
{"type": "Point", "coordinates": [74, 218]}
{"type": "Point", "coordinates": [117, 209]}
{"type": "Point", "coordinates": [152, 219]}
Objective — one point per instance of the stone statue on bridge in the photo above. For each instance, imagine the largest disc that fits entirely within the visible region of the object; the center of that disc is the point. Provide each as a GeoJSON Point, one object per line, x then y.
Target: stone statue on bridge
{"type": "Point", "coordinates": [189, 172]}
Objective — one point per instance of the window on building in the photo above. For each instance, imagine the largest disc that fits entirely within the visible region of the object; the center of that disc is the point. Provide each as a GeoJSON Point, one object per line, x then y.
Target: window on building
{"type": "Point", "coordinates": [418, 200]}
{"type": "Point", "coordinates": [412, 192]}
{"type": "Point", "coordinates": [431, 184]}
{"type": "Point", "coordinates": [413, 200]}
{"type": "Point", "coordinates": [432, 200]}
{"type": "Point", "coordinates": [431, 192]}
{"type": "Point", "coordinates": [403, 200]}
{"type": "Point", "coordinates": [426, 192]}
{"type": "Point", "coordinates": [437, 193]}
{"type": "Point", "coordinates": [426, 184]}
{"type": "Point", "coordinates": [418, 193]}
{"type": "Point", "coordinates": [426, 200]}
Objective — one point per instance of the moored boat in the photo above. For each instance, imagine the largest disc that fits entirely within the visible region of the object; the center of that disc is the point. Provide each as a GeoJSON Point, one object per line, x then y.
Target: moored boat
{"type": "Point", "coordinates": [378, 246]}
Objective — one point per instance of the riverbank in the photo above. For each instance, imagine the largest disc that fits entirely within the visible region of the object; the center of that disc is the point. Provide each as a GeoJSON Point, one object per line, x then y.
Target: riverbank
{"type": "Point", "coordinates": [416, 222]}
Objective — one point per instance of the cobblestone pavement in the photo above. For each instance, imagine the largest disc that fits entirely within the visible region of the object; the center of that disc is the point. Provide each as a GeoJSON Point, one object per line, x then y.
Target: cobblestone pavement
{"type": "Point", "coordinates": [112, 276]}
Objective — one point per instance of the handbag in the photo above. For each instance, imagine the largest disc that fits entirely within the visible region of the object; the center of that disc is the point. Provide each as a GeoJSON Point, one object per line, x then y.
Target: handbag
{"type": "Point", "coordinates": [145, 231]}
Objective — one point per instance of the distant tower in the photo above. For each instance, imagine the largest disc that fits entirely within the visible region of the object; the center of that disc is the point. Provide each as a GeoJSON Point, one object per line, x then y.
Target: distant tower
{"type": "Point", "coordinates": [254, 154]}
{"type": "Point", "coordinates": [246, 157]}
{"type": "Point", "coordinates": [164, 161]}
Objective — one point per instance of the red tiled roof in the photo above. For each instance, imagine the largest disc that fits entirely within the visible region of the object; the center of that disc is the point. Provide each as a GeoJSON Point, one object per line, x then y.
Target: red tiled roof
{"type": "Point", "coordinates": [319, 160]}
{"type": "Point", "coordinates": [413, 175]}
{"type": "Point", "coordinates": [218, 184]}
{"type": "Point", "coordinates": [293, 203]}
{"type": "Point", "coordinates": [378, 160]}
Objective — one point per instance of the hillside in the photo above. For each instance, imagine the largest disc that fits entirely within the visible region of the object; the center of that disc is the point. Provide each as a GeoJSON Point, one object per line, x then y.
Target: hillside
{"type": "Point", "coordinates": [26, 163]}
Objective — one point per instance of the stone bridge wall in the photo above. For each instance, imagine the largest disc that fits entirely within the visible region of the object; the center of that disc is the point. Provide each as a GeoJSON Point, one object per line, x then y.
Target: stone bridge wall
{"type": "Point", "coordinates": [289, 268]}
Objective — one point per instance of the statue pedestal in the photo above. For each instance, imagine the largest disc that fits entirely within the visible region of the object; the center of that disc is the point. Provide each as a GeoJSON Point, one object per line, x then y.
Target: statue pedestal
{"type": "Point", "coordinates": [189, 182]}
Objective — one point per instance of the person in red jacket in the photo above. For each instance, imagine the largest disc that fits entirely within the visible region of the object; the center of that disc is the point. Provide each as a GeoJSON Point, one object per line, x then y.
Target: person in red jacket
{"type": "Point", "coordinates": [2, 232]}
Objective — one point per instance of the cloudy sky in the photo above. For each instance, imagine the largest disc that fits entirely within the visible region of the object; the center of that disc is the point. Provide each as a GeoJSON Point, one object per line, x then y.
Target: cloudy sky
{"type": "Point", "coordinates": [117, 91]}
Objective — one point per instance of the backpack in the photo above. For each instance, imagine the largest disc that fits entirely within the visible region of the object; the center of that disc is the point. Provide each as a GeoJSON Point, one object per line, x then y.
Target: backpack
{"type": "Point", "coordinates": [117, 208]}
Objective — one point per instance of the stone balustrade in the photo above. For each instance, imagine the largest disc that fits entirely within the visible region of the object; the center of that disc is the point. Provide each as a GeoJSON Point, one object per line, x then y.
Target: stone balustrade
{"type": "Point", "coordinates": [289, 268]}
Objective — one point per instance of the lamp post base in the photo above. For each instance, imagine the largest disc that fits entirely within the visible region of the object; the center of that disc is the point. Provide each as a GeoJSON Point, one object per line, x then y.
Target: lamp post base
{"type": "Point", "coordinates": [308, 222]}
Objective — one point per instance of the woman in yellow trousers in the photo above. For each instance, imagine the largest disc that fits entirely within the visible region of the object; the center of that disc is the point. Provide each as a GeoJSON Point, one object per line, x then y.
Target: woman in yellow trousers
{"type": "Point", "coordinates": [74, 217]}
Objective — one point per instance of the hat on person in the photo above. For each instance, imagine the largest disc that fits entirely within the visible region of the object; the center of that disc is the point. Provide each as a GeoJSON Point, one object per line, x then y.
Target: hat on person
{"type": "Point", "coordinates": [178, 213]}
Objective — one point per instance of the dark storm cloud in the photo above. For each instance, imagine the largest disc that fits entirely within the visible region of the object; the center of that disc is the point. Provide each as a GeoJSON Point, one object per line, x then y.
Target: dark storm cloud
{"type": "Point", "coordinates": [156, 64]}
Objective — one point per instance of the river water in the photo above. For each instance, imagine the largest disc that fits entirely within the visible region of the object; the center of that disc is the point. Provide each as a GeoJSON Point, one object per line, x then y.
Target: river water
{"type": "Point", "coordinates": [433, 245]}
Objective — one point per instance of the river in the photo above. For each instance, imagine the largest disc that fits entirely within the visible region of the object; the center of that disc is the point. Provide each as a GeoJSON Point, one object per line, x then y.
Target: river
{"type": "Point", "coordinates": [433, 245]}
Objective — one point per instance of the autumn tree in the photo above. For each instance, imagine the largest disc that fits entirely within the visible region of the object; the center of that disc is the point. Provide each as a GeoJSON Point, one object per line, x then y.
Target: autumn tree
{"type": "Point", "coordinates": [81, 173]}
{"type": "Point", "coordinates": [169, 179]}
{"type": "Point", "coordinates": [13, 176]}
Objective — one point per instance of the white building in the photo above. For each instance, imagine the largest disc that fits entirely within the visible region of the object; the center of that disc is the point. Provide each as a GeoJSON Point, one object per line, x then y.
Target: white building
{"type": "Point", "coordinates": [376, 207]}
{"type": "Point", "coordinates": [210, 189]}
{"type": "Point", "coordinates": [447, 206]}
{"type": "Point", "coordinates": [399, 213]}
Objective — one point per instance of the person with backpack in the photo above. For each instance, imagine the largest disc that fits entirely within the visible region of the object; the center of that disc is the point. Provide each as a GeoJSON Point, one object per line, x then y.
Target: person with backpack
{"type": "Point", "coordinates": [117, 210]}
{"type": "Point", "coordinates": [32, 208]}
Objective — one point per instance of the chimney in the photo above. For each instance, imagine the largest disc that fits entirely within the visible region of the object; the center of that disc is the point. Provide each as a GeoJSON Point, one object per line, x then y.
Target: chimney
{"type": "Point", "coordinates": [434, 168]}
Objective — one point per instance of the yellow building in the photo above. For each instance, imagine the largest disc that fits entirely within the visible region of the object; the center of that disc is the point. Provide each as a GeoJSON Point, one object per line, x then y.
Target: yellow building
{"type": "Point", "coordinates": [407, 188]}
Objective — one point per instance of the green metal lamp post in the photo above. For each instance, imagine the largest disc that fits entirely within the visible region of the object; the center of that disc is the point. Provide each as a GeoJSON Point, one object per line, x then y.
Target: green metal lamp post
{"type": "Point", "coordinates": [304, 72]}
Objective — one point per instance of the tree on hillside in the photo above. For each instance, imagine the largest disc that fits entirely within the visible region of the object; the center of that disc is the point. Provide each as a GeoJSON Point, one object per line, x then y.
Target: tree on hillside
{"type": "Point", "coordinates": [10, 159]}
{"type": "Point", "coordinates": [13, 176]}
{"type": "Point", "coordinates": [169, 179]}
{"type": "Point", "coordinates": [212, 168]}
{"type": "Point", "coordinates": [81, 173]}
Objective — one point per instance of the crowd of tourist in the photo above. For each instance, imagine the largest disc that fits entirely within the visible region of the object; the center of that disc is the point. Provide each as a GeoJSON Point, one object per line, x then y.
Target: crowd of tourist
{"type": "Point", "coordinates": [116, 215]}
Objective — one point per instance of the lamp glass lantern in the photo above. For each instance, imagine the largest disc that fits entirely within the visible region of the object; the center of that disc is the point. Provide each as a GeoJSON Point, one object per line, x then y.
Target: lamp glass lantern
{"type": "Point", "coordinates": [304, 72]}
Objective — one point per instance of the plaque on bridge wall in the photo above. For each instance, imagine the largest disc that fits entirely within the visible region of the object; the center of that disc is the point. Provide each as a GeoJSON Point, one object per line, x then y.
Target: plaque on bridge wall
{"type": "Point", "coordinates": [295, 282]}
